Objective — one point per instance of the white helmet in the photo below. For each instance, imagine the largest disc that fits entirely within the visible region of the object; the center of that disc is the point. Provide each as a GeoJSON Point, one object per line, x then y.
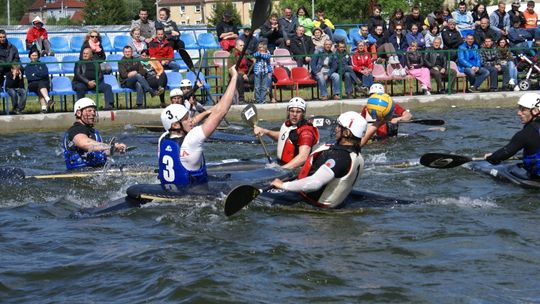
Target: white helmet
{"type": "Point", "coordinates": [376, 88]}
{"type": "Point", "coordinates": [176, 92]}
{"type": "Point", "coordinates": [186, 83]}
{"type": "Point", "coordinates": [297, 102]}
{"type": "Point", "coordinates": [171, 114]}
{"type": "Point", "coordinates": [529, 100]}
{"type": "Point", "coordinates": [82, 103]}
{"type": "Point", "coordinates": [354, 122]}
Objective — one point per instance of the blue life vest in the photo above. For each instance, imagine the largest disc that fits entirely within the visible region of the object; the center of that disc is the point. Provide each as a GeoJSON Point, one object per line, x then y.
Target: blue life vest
{"type": "Point", "coordinates": [531, 163]}
{"type": "Point", "coordinates": [78, 159]}
{"type": "Point", "coordinates": [171, 170]}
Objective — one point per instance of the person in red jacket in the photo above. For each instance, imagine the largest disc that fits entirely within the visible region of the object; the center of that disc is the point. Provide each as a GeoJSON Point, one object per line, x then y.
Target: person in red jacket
{"type": "Point", "coordinates": [37, 37]}
{"type": "Point", "coordinates": [159, 48]}
{"type": "Point", "coordinates": [362, 64]}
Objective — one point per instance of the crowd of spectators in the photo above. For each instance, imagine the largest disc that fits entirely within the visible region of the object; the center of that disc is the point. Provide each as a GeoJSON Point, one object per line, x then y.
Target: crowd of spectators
{"type": "Point", "coordinates": [481, 45]}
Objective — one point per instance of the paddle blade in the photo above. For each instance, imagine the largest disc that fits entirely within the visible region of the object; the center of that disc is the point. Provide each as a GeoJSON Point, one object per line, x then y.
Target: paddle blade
{"type": "Point", "coordinates": [429, 122]}
{"type": "Point", "coordinates": [187, 59]}
{"type": "Point", "coordinates": [240, 197]}
{"type": "Point", "coordinates": [261, 12]}
{"type": "Point", "coordinates": [249, 115]}
{"type": "Point", "coordinates": [443, 161]}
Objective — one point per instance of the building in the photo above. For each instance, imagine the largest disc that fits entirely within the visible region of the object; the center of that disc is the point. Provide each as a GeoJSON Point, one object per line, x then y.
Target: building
{"type": "Point", "coordinates": [191, 12]}
{"type": "Point", "coordinates": [54, 8]}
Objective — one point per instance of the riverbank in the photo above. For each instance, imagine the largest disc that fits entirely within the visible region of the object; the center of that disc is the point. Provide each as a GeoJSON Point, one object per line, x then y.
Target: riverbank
{"type": "Point", "coordinates": [121, 118]}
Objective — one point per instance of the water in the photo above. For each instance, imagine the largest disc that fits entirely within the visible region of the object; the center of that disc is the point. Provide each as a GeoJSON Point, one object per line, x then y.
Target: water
{"type": "Point", "coordinates": [469, 239]}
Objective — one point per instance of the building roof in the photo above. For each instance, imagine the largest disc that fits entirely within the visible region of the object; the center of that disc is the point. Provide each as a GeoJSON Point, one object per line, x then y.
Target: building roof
{"type": "Point", "coordinates": [38, 4]}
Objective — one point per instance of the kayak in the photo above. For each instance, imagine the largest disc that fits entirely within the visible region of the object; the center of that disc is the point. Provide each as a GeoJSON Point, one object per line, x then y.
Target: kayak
{"type": "Point", "coordinates": [12, 173]}
{"type": "Point", "coordinates": [222, 177]}
{"type": "Point", "coordinates": [510, 171]}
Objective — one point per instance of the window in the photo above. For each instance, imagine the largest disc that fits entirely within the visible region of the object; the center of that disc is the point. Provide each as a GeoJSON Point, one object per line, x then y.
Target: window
{"type": "Point", "coordinates": [234, 5]}
{"type": "Point", "coordinates": [198, 22]}
{"type": "Point", "coordinates": [197, 8]}
{"type": "Point", "coordinates": [183, 22]}
{"type": "Point", "coordinates": [214, 6]}
{"type": "Point", "coordinates": [182, 9]}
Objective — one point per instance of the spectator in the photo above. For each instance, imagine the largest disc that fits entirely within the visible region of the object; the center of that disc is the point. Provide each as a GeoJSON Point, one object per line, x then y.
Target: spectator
{"type": "Point", "coordinates": [518, 36]}
{"type": "Point", "coordinates": [447, 15]}
{"type": "Point", "coordinates": [397, 17]}
{"type": "Point", "coordinates": [147, 26]}
{"type": "Point", "coordinates": [84, 79]}
{"type": "Point", "coordinates": [301, 47]}
{"type": "Point", "coordinates": [324, 67]}
{"type": "Point", "coordinates": [399, 42]}
{"type": "Point", "coordinates": [431, 34]}
{"type": "Point", "coordinates": [160, 48]}
{"type": "Point", "coordinates": [370, 42]}
{"type": "Point", "coordinates": [137, 43]}
{"type": "Point", "coordinates": [469, 63]}
{"type": "Point", "coordinates": [415, 68]}
{"type": "Point", "coordinates": [227, 32]}
{"type": "Point", "coordinates": [451, 38]}
{"type": "Point", "coordinates": [435, 18]}
{"type": "Point", "coordinates": [413, 35]}
{"type": "Point", "coordinates": [376, 19]}
{"type": "Point", "coordinates": [305, 21]}
{"type": "Point", "coordinates": [515, 13]}
{"type": "Point", "coordinates": [93, 41]}
{"type": "Point", "coordinates": [37, 75]}
{"type": "Point", "coordinates": [271, 33]}
{"type": "Point", "coordinates": [263, 73]}
{"type": "Point", "coordinates": [506, 61]}
{"type": "Point", "coordinates": [490, 61]}
{"type": "Point", "coordinates": [8, 54]}
{"type": "Point", "coordinates": [172, 33]}
{"type": "Point", "coordinates": [288, 24]}
{"type": "Point", "coordinates": [463, 18]}
{"type": "Point", "coordinates": [435, 60]}
{"type": "Point", "coordinates": [132, 76]}
{"type": "Point", "coordinates": [15, 88]}
{"type": "Point", "coordinates": [37, 37]}
{"type": "Point", "coordinates": [349, 76]}
{"type": "Point", "coordinates": [478, 13]}
{"type": "Point", "coordinates": [384, 48]}
{"type": "Point", "coordinates": [482, 31]}
{"type": "Point", "coordinates": [362, 65]}
{"type": "Point", "coordinates": [414, 18]}
{"type": "Point", "coordinates": [155, 74]}
{"type": "Point", "coordinates": [318, 38]}
{"type": "Point", "coordinates": [253, 42]}
{"type": "Point", "coordinates": [324, 23]}
{"type": "Point", "coordinates": [500, 20]}
{"type": "Point", "coordinates": [244, 76]}
{"type": "Point", "coordinates": [531, 19]}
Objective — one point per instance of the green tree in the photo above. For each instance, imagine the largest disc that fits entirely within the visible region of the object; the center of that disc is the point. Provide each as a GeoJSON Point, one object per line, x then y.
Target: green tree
{"type": "Point", "coordinates": [102, 12]}
{"type": "Point", "coordinates": [220, 8]}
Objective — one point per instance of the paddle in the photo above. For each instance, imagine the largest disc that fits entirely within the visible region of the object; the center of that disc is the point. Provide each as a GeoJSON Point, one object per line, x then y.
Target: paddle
{"type": "Point", "coordinates": [445, 161]}
{"type": "Point", "coordinates": [10, 173]}
{"type": "Point", "coordinates": [249, 115]}
{"type": "Point", "coordinates": [261, 12]}
{"type": "Point", "coordinates": [241, 196]}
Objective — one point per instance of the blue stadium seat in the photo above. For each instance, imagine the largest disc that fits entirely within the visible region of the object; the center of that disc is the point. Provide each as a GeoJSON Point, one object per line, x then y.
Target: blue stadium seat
{"type": "Point", "coordinates": [61, 86]}
{"type": "Point", "coordinates": [67, 66]}
{"type": "Point", "coordinates": [114, 65]}
{"type": "Point", "coordinates": [120, 42]}
{"type": "Point", "coordinates": [189, 40]}
{"type": "Point", "coordinates": [179, 60]}
{"type": "Point", "coordinates": [106, 43]}
{"type": "Point", "coordinates": [113, 82]}
{"type": "Point", "coordinates": [5, 100]}
{"type": "Point", "coordinates": [341, 34]}
{"type": "Point", "coordinates": [207, 41]}
{"type": "Point", "coordinates": [59, 44]}
{"type": "Point", "coordinates": [53, 64]}
{"type": "Point", "coordinates": [18, 43]}
{"type": "Point", "coordinates": [76, 43]}
{"type": "Point", "coordinates": [354, 36]}
{"type": "Point", "coordinates": [173, 80]}
{"type": "Point", "coordinates": [24, 60]}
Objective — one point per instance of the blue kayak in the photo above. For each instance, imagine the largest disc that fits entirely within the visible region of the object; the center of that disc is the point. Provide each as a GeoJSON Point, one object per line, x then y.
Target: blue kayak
{"type": "Point", "coordinates": [510, 171]}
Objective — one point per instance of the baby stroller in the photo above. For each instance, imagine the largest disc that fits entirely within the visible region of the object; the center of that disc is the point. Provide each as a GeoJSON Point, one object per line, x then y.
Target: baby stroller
{"type": "Point", "coordinates": [531, 68]}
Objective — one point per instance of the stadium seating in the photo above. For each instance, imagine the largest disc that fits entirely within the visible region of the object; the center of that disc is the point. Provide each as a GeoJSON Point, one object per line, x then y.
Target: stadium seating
{"type": "Point", "coordinates": [59, 44]}
{"type": "Point", "coordinates": [120, 41]}
{"type": "Point", "coordinates": [207, 41]}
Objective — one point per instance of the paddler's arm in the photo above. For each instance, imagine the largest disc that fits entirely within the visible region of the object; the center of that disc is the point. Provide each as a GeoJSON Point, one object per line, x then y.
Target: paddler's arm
{"type": "Point", "coordinates": [370, 131]}
{"type": "Point", "coordinates": [300, 159]}
{"type": "Point", "coordinates": [405, 116]}
{"type": "Point", "coordinates": [222, 107]}
{"type": "Point", "coordinates": [314, 182]}
{"type": "Point", "coordinates": [504, 153]}
{"type": "Point", "coordinates": [274, 135]}
{"type": "Point", "coordinates": [82, 141]}
{"type": "Point", "coordinates": [200, 117]}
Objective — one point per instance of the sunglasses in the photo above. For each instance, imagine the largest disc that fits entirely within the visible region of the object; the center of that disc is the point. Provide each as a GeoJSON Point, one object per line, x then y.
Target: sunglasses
{"type": "Point", "coordinates": [398, 30]}
{"type": "Point", "coordinates": [94, 36]}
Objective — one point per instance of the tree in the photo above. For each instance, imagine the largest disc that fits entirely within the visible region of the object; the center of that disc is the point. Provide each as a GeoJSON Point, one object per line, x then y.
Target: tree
{"type": "Point", "coordinates": [102, 12]}
{"type": "Point", "coordinates": [220, 8]}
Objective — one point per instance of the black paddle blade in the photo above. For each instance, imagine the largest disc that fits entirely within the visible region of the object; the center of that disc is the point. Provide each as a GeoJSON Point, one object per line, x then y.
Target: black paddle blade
{"type": "Point", "coordinates": [261, 12]}
{"type": "Point", "coordinates": [239, 197]}
{"type": "Point", "coordinates": [443, 161]}
{"type": "Point", "coordinates": [429, 122]}
{"type": "Point", "coordinates": [249, 115]}
{"type": "Point", "coordinates": [187, 59]}
{"type": "Point", "coordinates": [322, 122]}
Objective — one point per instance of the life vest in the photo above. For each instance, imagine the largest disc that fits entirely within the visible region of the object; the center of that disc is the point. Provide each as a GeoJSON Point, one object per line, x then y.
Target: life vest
{"type": "Point", "coordinates": [337, 190]}
{"type": "Point", "coordinates": [287, 144]}
{"type": "Point", "coordinates": [531, 163]}
{"type": "Point", "coordinates": [76, 158]}
{"type": "Point", "coordinates": [171, 170]}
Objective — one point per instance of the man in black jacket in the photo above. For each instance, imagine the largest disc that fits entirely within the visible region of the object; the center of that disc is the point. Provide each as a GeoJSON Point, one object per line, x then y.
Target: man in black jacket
{"type": "Point", "coordinates": [8, 54]}
{"type": "Point", "coordinates": [271, 33]}
{"type": "Point", "coordinates": [451, 38]}
{"type": "Point", "coordinates": [435, 61]}
{"type": "Point", "coordinates": [302, 47]}
{"type": "Point", "coordinates": [482, 31]}
{"type": "Point", "coordinates": [84, 79]}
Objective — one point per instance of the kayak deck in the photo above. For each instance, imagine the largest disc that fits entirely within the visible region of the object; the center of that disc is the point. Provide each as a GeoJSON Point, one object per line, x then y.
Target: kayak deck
{"type": "Point", "coordinates": [509, 172]}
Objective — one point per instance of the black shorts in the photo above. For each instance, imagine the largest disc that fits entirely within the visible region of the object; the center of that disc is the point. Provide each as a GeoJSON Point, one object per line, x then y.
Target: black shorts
{"type": "Point", "coordinates": [35, 86]}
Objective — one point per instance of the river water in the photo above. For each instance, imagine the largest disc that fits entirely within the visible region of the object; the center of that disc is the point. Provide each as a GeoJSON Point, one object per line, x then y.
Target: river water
{"type": "Point", "coordinates": [468, 239]}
